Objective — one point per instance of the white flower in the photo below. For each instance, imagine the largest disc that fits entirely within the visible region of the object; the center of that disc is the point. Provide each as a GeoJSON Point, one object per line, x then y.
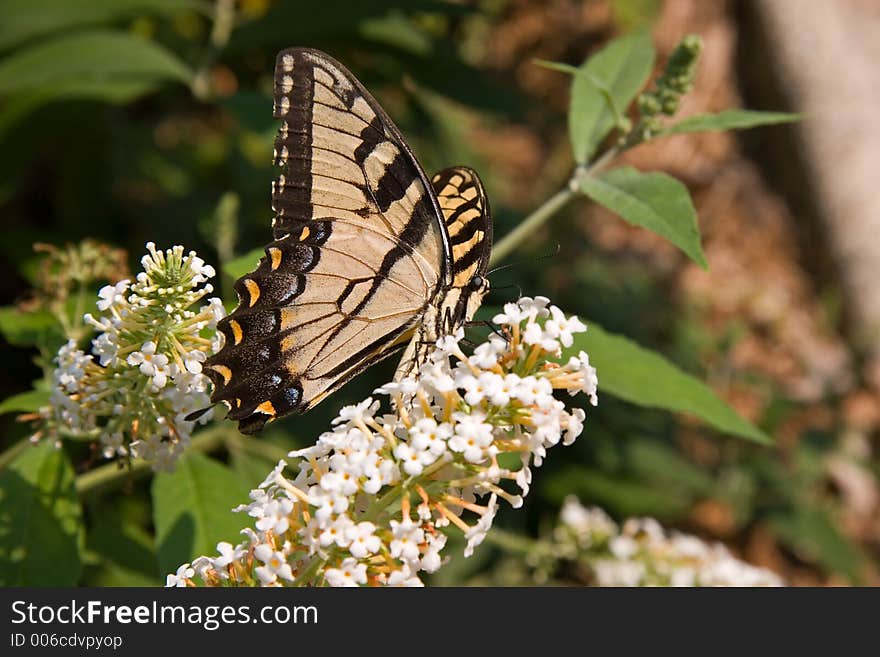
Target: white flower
{"type": "Point", "coordinates": [274, 516]}
{"type": "Point", "coordinates": [110, 295]}
{"type": "Point", "coordinates": [472, 436]}
{"type": "Point", "coordinates": [275, 565]}
{"type": "Point", "coordinates": [623, 547]}
{"type": "Point", "coordinates": [105, 346]}
{"type": "Point", "coordinates": [201, 271]}
{"type": "Point", "coordinates": [476, 534]}
{"type": "Point", "coordinates": [227, 555]}
{"type": "Point", "coordinates": [203, 565]}
{"type": "Point", "coordinates": [337, 532]}
{"type": "Point", "coordinates": [328, 504]}
{"type": "Point", "coordinates": [113, 444]}
{"type": "Point", "coordinates": [474, 392]}
{"type": "Point", "coordinates": [407, 536]}
{"type": "Point", "coordinates": [275, 475]}
{"type": "Point", "coordinates": [404, 577]}
{"type": "Point", "coordinates": [431, 559]}
{"type": "Point", "coordinates": [150, 363]}
{"type": "Point", "coordinates": [358, 412]}
{"type": "Point", "coordinates": [534, 334]}
{"type": "Point", "coordinates": [513, 314]}
{"type": "Point", "coordinates": [362, 539]}
{"type": "Point", "coordinates": [575, 426]}
{"type": "Point", "coordinates": [427, 435]}
{"type": "Point", "coordinates": [581, 364]}
{"type": "Point", "coordinates": [349, 573]}
{"type": "Point", "coordinates": [179, 578]}
{"type": "Point", "coordinates": [610, 572]}
{"type": "Point", "coordinates": [194, 360]}
{"type": "Point", "coordinates": [449, 343]}
{"type": "Point", "coordinates": [531, 390]}
{"type": "Point", "coordinates": [486, 355]}
{"type": "Point", "coordinates": [413, 460]}
{"type": "Point", "coordinates": [561, 327]}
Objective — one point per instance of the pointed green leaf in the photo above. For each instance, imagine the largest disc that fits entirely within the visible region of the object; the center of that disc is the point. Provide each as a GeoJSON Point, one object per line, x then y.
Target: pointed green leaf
{"type": "Point", "coordinates": [21, 20]}
{"type": "Point", "coordinates": [93, 60]}
{"type": "Point", "coordinates": [25, 402]}
{"type": "Point", "coordinates": [730, 120]}
{"type": "Point", "coordinates": [126, 552]}
{"type": "Point", "coordinates": [653, 200]}
{"type": "Point", "coordinates": [646, 378]}
{"type": "Point", "coordinates": [192, 510]}
{"type": "Point", "coordinates": [814, 536]}
{"type": "Point", "coordinates": [40, 520]}
{"type": "Point", "coordinates": [619, 494]}
{"type": "Point", "coordinates": [244, 264]}
{"type": "Point", "coordinates": [603, 88]}
{"type": "Point", "coordinates": [25, 329]}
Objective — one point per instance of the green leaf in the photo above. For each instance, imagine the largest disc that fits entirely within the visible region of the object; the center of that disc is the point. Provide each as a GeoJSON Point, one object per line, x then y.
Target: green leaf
{"type": "Point", "coordinates": [251, 469]}
{"type": "Point", "coordinates": [603, 88]}
{"type": "Point", "coordinates": [25, 402]}
{"type": "Point", "coordinates": [126, 552]}
{"type": "Point", "coordinates": [40, 520]}
{"type": "Point", "coordinates": [27, 329]}
{"type": "Point", "coordinates": [94, 62]}
{"type": "Point", "coordinates": [635, 12]}
{"type": "Point", "coordinates": [283, 24]}
{"type": "Point", "coordinates": [618, 494]}
{"type": "Point", "coordinates": [813, 535]}
{"type": "Point", "coordinates": [21, 20]}
{"type": "Point", "coordinates": [653, 200]}
{"type": "Point", "coordinates": [646, 378]}
{"type": "Point", "coordinates": [398, 31]}
{"type": "Point", "coordinates": [730, 120]}
{"type": "Point", "coordinates": [192, 510]}
{"type": "Point", "coordinates": [652, 460]}
{"type": "Point", "coordinates": [244, 264]}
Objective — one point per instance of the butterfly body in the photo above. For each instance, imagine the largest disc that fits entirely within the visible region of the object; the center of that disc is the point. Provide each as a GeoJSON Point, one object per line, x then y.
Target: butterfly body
{"type": "Point", "coordinates": [368, 253]}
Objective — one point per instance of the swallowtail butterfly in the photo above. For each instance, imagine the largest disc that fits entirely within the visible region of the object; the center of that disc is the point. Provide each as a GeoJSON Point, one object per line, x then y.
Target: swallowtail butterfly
{"type": "Point", "coordinates": [369, 254]}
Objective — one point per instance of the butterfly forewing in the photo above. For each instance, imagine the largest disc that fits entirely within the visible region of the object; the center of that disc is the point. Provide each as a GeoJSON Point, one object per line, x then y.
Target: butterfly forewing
{"type": "Point", "coordinates": [359, 252]}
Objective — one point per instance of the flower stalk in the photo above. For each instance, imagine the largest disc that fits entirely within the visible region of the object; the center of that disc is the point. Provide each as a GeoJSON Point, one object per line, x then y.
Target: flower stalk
{"type": "Point", "coordinates": [144, 373]}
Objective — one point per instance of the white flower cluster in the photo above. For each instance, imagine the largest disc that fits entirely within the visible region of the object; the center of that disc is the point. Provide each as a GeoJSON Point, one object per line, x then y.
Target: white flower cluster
{"type": "Point", "coordinates": [368, 501]}
{"type": "Point", "coordinates": [642, 553]}
{"type": "Point", "coordinates": [143, 376]}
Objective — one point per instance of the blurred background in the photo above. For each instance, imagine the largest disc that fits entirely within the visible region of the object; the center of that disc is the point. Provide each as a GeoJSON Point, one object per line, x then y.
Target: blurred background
{"type": "Point", "coordinates": [784, 326]}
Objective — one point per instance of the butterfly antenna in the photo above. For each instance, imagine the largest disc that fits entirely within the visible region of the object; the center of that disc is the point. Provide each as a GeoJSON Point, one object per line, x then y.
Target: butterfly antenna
{"type": "Point", "coordinates": [508, 287]}
{"type": "Point", "coordinates": [492, 327]}
{"type": "Point", "coordinates": [511, 265]}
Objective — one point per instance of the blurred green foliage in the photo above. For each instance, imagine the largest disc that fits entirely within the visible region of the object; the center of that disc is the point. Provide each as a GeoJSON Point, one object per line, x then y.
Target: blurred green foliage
{"type": "Point", "coordinates": [134, 120]}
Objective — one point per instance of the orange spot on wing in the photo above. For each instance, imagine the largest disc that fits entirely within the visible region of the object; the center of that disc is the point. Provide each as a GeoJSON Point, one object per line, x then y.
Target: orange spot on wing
{"type": "Point", "coordinates": [253, 289]}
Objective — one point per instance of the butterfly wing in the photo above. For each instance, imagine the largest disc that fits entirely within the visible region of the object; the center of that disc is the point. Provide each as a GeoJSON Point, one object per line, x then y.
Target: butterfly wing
{"type": "Point", "coordinates": [359, 250]}
{"type": "Point", "coordinates": [465, 209]}
{"type": "Point", "coordinates": [468, 219]}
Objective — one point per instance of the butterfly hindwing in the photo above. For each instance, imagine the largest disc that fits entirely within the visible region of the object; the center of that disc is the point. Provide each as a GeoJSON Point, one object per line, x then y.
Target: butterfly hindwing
{"type": "Point", "coordinates": [359, 251]}
{"type": "Point", "coordinates": [465, 209]}
{"type": "Point", "coordinates": [468, 222]}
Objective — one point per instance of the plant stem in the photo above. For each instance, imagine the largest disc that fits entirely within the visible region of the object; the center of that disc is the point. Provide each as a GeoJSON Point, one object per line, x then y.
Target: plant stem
{"type": "Point", "coordinates": [224, 21]}
{"type": "Point", "coordinates": [111, 475]}
{"type": "Point", "coordinates": [550, 207]}
{"type": "Point", "coordinates": [530, 224]}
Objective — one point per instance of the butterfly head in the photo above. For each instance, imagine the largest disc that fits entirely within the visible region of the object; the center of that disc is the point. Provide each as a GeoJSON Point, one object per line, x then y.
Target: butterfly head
{"type": "Point", "coordinates": [477, 289]}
